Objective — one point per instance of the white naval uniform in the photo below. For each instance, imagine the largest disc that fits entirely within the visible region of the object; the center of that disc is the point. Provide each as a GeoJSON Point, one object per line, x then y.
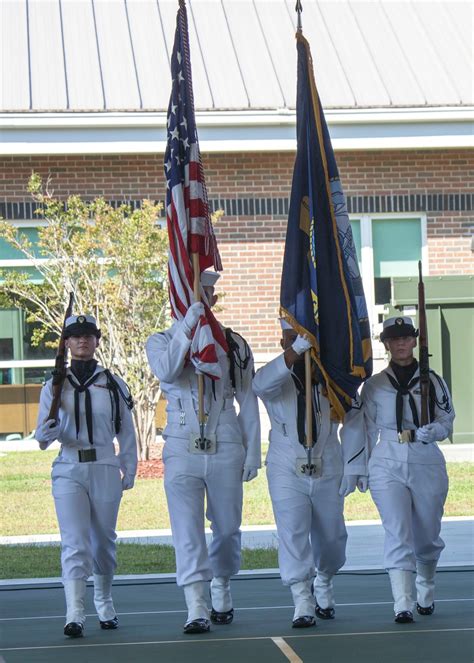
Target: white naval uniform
{"type": "Point", "coordinates": [408, 482]}
{"type": "Point", "coordinates": [87, 495]}
{"type": "Point", "coordinates": [308, 511]}
{"type": "Point", "coordinates": [190, 477]}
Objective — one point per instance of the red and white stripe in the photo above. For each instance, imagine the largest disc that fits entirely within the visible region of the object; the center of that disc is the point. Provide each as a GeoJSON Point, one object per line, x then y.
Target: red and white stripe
{"type": "Point", "coordinates": [187, 219]}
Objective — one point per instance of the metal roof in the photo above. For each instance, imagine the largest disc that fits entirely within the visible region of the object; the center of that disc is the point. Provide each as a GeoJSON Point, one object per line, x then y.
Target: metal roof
{"type": "Point", "coordinates": [113, 55]}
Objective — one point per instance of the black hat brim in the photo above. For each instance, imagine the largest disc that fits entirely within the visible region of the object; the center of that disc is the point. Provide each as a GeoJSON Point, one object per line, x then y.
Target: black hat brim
{"type": "Point", "coordinates": [395, 331]}
{"type": "Point", "coordinates": [82, 329]}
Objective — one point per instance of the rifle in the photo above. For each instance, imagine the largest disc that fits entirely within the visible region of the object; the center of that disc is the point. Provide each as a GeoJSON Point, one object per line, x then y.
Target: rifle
{"type": "Point", "coordinates": [59, 371]}
{"type": "Point", "coordinates": [423, 354]}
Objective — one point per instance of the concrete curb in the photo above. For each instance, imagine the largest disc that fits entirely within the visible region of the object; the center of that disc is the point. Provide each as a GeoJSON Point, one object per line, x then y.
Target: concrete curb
{"type": "Point", "coordinates": [454, 453]}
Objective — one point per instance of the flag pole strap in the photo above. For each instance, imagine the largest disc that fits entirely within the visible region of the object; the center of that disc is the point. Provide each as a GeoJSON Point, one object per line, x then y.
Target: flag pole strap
{"type": "Point", "coordinates": [309, 406]}
{"type": "Point", "coordinates": [200, 376]}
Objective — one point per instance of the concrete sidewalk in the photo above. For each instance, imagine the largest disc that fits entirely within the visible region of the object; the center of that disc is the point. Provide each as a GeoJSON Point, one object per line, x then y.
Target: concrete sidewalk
{"type": "Point", "coordinates": [454, 453]}
{"type": "Point", "coordinates": [364, 546]}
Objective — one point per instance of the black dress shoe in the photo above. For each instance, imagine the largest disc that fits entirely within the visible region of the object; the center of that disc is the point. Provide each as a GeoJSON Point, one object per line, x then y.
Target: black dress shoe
{"type": "Point", "coordinates": [74, 630]}
{"type": "Point", "coordinates": [197, 626]}
{"type": "Point", "coordinates": [222, 618]}
{"type": "Point", "coordinates": [304, 622]}
{"type": "Point", "coordinates": [324, 613]}
{"type": "Point", "coordinates": [404, 617]}
{"type": "Point", "coordinates": [109, 624]}
{"type": "Point", "coordinates": [425, 611]}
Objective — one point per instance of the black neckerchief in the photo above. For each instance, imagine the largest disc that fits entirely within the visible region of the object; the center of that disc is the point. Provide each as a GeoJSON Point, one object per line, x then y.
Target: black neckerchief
{"type": "Point", "coordinates": [403, 383]}
{"type": "Point", "coordinates": [404, 373]}
{"type": "Point", "coordinates": [79, 388]}
{"type": "Point", "coordinates": [83, 370]}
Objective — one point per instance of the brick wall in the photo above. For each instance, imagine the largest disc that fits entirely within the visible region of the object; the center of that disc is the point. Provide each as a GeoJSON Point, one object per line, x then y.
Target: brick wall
{"type": "Point", "coordinates": [266, 174]}
{"type": "Point", "coordinates": [251, 241]}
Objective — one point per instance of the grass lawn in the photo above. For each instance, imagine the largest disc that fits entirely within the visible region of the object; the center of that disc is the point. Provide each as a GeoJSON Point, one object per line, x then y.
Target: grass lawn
{"type": "Point", "coordinates": [18, 561]}
{"type": "Point", "coordinates": [27, 507]}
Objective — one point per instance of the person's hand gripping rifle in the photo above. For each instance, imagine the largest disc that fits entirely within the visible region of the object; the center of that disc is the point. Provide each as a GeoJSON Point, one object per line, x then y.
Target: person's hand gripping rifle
{"type": "Point", "coordinates": [50, 428]}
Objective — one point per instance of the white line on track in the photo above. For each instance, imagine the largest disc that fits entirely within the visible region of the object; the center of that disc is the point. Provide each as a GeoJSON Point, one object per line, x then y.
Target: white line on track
{"type": "Point", "coordinates": [285, 648]}
{"type": "Point", "coordinates": [204, 640]}
{"type": "Point", "coordinates": [263, 607]}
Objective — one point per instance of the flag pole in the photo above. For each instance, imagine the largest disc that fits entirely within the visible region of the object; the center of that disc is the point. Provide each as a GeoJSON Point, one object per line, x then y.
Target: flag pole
{"type": "Point", "coordinates": [298, 10]}
{"type": "Point", "coordinates": [309, 408]}
{"type": "Point", "coordinates": [307, 354]}
{"type": "Point", "coordinates": [200, 376]}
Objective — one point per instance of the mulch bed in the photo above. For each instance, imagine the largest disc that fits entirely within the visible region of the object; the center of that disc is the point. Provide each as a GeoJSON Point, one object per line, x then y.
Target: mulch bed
{"type": "Point", "coordinates": [152, 468]}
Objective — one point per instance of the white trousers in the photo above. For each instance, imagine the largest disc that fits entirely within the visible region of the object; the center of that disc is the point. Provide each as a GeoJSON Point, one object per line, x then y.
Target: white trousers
{"type": "Point", "coordinates": [87, 499]}
{"type": "Point", "coordinates": [190, 479]}
{"type": "Point", "coordinates": [410, 498]}
{"type": "Point", "coordinates": [310, 523]}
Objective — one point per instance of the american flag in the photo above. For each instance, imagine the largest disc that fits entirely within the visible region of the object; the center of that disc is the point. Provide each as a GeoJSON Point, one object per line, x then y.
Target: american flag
{"type": "Point", "coordinates": [187, 209]}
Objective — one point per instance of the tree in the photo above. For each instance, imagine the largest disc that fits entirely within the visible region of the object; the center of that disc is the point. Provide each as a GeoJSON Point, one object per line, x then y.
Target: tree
{"type": "Point", "coordinates": [115, 262]}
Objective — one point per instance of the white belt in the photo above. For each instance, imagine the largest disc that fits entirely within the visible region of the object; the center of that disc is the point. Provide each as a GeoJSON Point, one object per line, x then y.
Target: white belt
{"type": "Point", "coordinates": [87, 455]}
{"type": "Point", "coordinates": [178, 417]}
{"type": "Point", "coordinates": [390, 435]}
{"type": "Point", "coordinates": [178, 403]}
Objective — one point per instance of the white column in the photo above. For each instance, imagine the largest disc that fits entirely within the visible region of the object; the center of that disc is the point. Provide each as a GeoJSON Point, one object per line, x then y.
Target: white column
{"type": "Point", "coordinates": [367, 260]}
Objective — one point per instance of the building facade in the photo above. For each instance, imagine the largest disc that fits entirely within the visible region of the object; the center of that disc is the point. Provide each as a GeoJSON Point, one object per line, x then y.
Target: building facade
{"type": "Point", "coordinates": [95, 123]}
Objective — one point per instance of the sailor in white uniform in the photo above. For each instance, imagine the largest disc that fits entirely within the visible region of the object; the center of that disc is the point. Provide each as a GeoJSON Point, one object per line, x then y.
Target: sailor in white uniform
{"type": "Point", "coordinates": [407, 471]}
{"type": "Point", "coordinates": [88, 477]}
{"type": "Point", "coordinates": [308, 509]}
{"type": "Point", "coordinates": [215, 473]}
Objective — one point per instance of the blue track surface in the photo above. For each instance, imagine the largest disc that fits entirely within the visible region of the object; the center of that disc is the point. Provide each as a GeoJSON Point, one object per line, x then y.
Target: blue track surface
{"type": "Point", "coordinates": [152, 614]}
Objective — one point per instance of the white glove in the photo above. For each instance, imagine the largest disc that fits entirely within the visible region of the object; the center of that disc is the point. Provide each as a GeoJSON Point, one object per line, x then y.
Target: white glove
{"type": "Point", "coordinates": [192, 316]}
{"type": "Point", "coordinates": [348, 485]}
{"type": "Point", "coordinates": [430, 433]}
{"type": "Point", "coordinates": [47, 432]}
{"type": "Point", "coordinates": [301, 344]}
{"type": "Point", "coordinates": [249, 472]}
{"type": "Point", "coordinates": [362, 483]}
{"type": "Point", "coordinates": [127, 481]}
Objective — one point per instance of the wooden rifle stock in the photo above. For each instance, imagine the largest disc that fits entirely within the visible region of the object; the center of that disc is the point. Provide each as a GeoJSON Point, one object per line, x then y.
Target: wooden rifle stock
{"type": "Point", "coordinates": [59, 372]}
{"type": "Point", "coordinates": [424, 361]}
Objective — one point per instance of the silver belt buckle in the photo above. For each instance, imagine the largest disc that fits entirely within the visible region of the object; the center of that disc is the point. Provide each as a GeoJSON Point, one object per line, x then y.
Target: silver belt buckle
{"type": "Point", "coordinates": [206, 445]}
{"type": "Point", "coordinates": [406, 436]}
{"type": "Point", "coordinates": [314, 471]}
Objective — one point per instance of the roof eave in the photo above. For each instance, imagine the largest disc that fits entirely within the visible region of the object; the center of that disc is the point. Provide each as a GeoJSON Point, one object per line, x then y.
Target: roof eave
{"type": "Point", "coordinates": [123, 132]}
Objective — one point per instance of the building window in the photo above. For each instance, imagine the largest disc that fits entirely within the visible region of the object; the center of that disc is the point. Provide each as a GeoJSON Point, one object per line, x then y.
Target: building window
{"type": "Point", "coordinates": [20, 362]}
{"type": "Point", "coordinates": [397, 249]}
{"type": "Point", "coordinates": [387, 245]}
{"type": "Point", "coordinates": [7, 252]}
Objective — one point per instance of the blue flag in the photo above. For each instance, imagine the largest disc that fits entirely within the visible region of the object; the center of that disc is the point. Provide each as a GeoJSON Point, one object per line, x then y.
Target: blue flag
{"type": "Point", "coordinates": [321, 287]}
